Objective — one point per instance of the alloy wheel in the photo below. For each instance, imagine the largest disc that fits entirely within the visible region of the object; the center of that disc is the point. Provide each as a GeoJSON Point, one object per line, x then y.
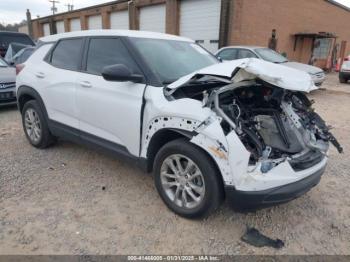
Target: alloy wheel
{"type": "Point", "coordinates": [182, 181]}
{"type": "Point", "coordinates": [32, 125]}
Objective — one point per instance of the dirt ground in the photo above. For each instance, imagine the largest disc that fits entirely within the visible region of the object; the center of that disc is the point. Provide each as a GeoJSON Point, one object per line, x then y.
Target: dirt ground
{"type": "Point", "coordinates": [52, 201]}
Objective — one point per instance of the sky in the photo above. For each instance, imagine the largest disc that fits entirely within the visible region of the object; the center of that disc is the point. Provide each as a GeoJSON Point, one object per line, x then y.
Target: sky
{"type": "Point", "coordinates": [13, 11]}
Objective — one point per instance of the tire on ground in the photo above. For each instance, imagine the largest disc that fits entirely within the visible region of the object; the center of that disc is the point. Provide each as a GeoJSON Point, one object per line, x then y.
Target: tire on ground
{"type": "Point", "coordinates": [46, 139]}
{"type": "Point", "coordinates": [214, 193]}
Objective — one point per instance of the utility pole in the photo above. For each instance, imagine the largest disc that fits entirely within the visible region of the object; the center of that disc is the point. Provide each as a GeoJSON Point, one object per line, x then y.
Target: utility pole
{"type": "Point", "coordinates": [70, 7]}
{"type": "Point", "coordinates": [29, 23]}
{"type": "Point", "coordinates": [54, 8]}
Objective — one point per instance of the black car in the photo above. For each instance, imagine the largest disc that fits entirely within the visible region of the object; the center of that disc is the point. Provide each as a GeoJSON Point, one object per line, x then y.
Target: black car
{"type": "Point", "coordinates": [6, 38]}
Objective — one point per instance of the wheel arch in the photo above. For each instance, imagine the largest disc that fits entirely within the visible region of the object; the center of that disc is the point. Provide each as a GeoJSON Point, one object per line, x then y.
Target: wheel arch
{"type": "Point", "coordinates": [25, 94]}
{"type": "Point", "coordinates": [166, 135]}
{"type": "Point", "coordinates": [159, 139]}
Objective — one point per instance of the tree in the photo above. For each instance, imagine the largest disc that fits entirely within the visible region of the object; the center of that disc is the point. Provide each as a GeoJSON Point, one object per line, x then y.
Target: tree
{"type": "Point", "coordinates": [12, 27]}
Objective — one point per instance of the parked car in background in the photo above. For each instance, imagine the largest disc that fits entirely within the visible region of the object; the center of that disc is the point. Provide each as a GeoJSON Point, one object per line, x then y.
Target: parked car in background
{"type": "Point", "coordinates": [21, 56]}
{"type": "Point", "coordinates": [7, 83]}
{"type": "Point", "coordinates": [6, 38]}
{"type": "Point", "coordinates": [243, 130]}
{"type": "Point", "coordinates": [344, 73]}
{"type": "Point", "coordinates": [237, 52]}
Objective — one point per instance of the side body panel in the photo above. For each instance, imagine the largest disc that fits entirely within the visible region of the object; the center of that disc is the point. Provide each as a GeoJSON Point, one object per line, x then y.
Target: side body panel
{"type": "Point", "coordinates": [57, 92]}
{"type": "Point", "coordinates": [110, 110]}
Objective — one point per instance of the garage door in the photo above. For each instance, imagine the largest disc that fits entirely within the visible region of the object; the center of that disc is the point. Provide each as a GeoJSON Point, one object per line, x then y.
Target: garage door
{"type": "Point", "coordinates": [152, 18]}
{"type": "Point", "coordinates": [60, 27]}
{"type": "Point", "coordinates": [46, 29]}
{"type": "Point", "coordinates": [120, 20]}
{"type": "Point", "coordinates": [95, 22]}
{"type": "Point", "coordinates": [75, 24]}
{"type": "Point", "coordinates": [200, 21]}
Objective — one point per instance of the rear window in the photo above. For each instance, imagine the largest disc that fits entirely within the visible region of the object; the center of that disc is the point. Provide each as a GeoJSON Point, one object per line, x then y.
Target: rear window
{"type": "Point", "coordinates": [6, 39]}
{"type": "Point", "coordinates": [67, 54]}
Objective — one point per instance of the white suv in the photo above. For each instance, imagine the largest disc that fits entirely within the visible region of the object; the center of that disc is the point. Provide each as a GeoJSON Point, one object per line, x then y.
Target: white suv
{"type": "Point", "coordinates": [243, 130]}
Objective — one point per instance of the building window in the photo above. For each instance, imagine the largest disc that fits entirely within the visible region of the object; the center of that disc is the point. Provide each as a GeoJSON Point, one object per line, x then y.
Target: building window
{"type": "Point", "coordinates": [322, 47]}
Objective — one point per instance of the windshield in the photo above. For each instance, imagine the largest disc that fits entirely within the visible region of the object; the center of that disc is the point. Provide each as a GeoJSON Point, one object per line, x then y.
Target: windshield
{"type": "Point", "coordinates": [270, 55]}
{"type": "Point", "coordinates": [170, 59]}
{"type": "Point", "coordinates": [7, 39]}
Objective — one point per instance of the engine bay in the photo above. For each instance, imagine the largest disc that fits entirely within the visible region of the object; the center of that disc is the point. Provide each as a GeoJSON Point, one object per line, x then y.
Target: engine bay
{"type": "Point", "coordinates": [273, 123]}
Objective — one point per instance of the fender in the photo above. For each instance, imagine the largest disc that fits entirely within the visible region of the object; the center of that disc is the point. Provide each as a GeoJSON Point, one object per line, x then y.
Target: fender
{"type": "Point", "coordinates": [206, 135]}
{"type": "Point", "coordinates": [27, 91]}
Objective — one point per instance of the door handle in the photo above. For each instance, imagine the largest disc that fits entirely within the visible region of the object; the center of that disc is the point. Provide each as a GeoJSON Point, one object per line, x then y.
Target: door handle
{"type": "Point", "coordinates": [40, 74]}
{"type": "Point", "coordinates": [85, 84]}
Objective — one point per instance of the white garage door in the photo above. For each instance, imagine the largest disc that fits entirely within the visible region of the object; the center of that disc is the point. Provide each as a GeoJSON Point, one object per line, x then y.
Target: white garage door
{"type": "Point", "coordinates": [95, 22]}
{"type": "Point", "coordinates": [152, 18]}
{"type": "Point", "coordinates": [75, 24]}
{"type": "Point", "coordinates": [60, 27]}
{"type": "Point", "coordinates": [120, 20]}
{"type": "Point", "coordinates": [200, 21]}
{"type": "Point", "coordinates": [46, 29]}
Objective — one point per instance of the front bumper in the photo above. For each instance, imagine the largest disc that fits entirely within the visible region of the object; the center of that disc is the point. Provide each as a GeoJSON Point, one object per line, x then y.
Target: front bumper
{"type": "Point", "coordinates": [318, 78]}
{"type": "Point", "coordinates": [250, 200]}
{"type": "Point", "coordinates": [345, 74]}
{"type": "Point", "coordinates": [319, 81]}
{"type": "Point", "coordinates": [8, 96]}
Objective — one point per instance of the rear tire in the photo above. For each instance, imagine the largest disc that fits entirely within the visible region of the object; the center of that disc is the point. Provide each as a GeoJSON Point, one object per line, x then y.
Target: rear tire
{"type": "Point", "coordinates": [187, 179]}
{"type": "Point", "coordinates": [35, 125]}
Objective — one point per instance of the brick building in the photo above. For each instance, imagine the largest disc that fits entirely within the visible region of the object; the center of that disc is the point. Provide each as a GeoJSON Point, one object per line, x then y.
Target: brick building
{"type": "Point", "coordinates": [313, 30]}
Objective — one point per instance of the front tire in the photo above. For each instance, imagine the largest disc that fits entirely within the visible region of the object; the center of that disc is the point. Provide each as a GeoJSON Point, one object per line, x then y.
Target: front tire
{"type": "Point", "coordinates": [35, 125]}
{"type": "Point", "coordinates": [187, 179]}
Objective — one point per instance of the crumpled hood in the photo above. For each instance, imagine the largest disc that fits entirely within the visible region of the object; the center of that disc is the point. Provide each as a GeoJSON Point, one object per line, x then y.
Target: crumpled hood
{"type": "Point", "coordinates": [252, 68]}
{"type": "Point", "coordinates": [303, 67]}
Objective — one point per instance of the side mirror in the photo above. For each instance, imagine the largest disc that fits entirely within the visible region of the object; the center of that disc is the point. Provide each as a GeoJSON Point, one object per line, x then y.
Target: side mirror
{"type": "Point", "coordinates": [219, 58]}
{"type": "Point", "coordinates": [120, 73]}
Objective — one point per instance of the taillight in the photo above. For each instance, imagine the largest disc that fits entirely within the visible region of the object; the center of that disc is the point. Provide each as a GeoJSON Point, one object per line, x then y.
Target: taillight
{"type": "Point", "coordinates": [347, 58]}
{"type": "Point", "coordinates": [19, 68]}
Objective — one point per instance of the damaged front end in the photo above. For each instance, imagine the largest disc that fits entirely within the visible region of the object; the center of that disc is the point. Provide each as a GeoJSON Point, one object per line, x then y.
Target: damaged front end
{"type": "Point", "coordinates": [274, 124]}
{"type": "Point", "coordinates": [274, 136]}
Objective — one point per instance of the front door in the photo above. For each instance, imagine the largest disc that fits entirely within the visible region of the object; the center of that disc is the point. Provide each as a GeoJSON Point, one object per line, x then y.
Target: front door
{"type": "Point", "coordinates": [109, 110]}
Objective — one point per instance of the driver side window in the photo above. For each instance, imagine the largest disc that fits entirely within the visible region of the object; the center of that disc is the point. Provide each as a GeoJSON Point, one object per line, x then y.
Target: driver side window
{"type": "Point", "coordinates": [108, 51]}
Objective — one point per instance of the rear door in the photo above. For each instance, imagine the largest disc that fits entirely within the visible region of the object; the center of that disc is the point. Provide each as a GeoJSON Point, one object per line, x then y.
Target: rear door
{"type": "Point", "coordinates": [109, 111]}
{"type": "Point", "coordinates": [58, 78]}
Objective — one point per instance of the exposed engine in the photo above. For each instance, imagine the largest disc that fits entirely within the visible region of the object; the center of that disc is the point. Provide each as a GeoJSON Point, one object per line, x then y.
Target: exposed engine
{"type": "Point", "coordinates": [273, 123]}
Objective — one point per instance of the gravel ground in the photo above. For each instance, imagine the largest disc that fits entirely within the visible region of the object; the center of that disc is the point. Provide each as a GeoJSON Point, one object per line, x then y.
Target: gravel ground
{"type": "Point", "coordinates": [72, 200]}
